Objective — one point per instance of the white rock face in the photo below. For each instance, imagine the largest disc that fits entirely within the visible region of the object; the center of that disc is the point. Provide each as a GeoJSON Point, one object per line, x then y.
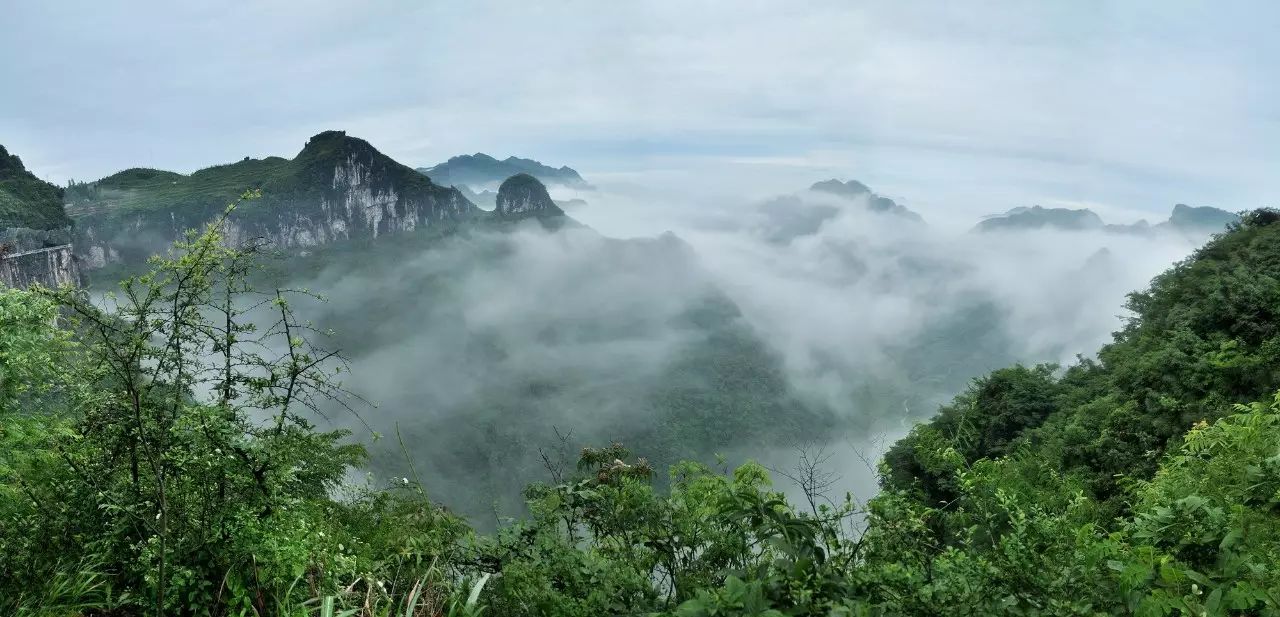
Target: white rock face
{"type": "Point", "coordinates": [51, 267]}
{"type": "Point", "coordinates": [352, 204]}
{"type": "Point", "coordinates": [521, 206]}
{"type": "Point", "coordinates": [96, 257]}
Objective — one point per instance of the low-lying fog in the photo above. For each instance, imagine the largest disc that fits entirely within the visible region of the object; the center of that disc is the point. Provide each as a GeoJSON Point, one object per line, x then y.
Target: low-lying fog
{"type": "Point", "coordinates": [845, 325]}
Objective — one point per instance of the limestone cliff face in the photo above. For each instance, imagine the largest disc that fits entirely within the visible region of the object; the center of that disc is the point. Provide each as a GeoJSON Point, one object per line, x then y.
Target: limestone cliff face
{"type": "Point", "coordinates": [523, 196]}
{"type": "Point", "coordinates": [50, 266]}
{"type": "Point", "coordinates": [337, 188]}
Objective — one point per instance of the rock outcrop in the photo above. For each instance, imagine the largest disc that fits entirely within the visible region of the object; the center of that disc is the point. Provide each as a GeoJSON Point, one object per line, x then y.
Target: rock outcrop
{"type": "Point", "coordinates": [52, 266]}
{"type": "Point", "coordinates": [523, 196]}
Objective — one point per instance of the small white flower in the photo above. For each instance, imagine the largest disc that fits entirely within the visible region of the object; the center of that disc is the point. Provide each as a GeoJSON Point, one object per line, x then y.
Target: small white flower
{"type": "Point", "coordinates": [404, 480]}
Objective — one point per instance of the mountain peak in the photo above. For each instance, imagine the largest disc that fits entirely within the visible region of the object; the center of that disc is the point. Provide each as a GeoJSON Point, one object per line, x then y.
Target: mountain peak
{"type": "Point", "coordinates": [522, 196]}
{"type": "Point", "coordinates": [327, 144]}
{"type": "Point", "coordinates": [852, 189]}
{"type": "Point", "coordinates": [10, 163]}
{"type": "Point", "coordinates": [1205, 218]}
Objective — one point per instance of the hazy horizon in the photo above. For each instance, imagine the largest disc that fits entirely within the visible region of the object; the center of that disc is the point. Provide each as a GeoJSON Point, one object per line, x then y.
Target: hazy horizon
{"type": "Point", "coordinates": [956, 111]}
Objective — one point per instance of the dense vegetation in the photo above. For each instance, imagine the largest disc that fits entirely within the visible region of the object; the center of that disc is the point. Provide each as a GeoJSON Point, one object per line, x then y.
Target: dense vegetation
{"type": "Point", "coordinates": [27, 201]}
{"type": "Point", "coordinates": [161, 458]}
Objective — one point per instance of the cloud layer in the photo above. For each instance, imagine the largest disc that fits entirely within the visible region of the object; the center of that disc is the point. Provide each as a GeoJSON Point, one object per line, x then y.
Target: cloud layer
{"type": "Point", "coordinates": [963, 109]}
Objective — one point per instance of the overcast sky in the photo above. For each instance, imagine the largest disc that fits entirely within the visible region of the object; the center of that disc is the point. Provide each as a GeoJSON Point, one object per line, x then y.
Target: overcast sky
{"type": "Point", "coordinates": [955, 107]}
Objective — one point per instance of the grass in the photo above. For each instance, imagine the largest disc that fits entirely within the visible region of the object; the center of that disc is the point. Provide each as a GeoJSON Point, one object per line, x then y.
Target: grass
{"type": "Point", "coordinates": [425, 599]}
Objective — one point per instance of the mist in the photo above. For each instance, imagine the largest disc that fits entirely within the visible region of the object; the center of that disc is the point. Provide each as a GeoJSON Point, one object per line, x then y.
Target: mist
{"type": "Point", "coordinates": [707, 325]}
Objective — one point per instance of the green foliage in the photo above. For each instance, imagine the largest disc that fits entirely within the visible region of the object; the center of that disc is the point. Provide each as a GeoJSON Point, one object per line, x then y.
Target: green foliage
{"type": "Point", "coordinates": [158, 458]}
{"type": "Point", "coordinates": [28, 201]}
{"type": "Point", "coordinates": [188, 470]}
{"type": "Point", "coordinates": [1204, 336]}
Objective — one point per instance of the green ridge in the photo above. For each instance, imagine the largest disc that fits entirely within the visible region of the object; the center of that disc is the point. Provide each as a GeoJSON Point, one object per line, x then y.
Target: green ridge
{"type": "Point", "coordinates": [28, 201]}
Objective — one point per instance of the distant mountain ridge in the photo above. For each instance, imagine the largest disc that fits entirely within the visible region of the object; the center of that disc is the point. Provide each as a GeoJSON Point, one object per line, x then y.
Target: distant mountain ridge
{"type": "Point", "coordinates": [853, 189]}
{"type": "Point", "coordinates": [803, 213]}
{"type": "Point", "coordinates": [337, 188]}
{"type": "Point", "coordinates": [1037, 217]}
{"type": "Point", "coordinates": [480, 170]}
{"type": "Point", "coordinates": [1184, 219]}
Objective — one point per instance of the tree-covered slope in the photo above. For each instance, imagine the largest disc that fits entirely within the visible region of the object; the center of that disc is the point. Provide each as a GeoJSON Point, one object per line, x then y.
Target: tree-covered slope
{"type": "Point", "coordinates": [27, 201]}
{"type": "Point", "coordinates": [1204, 336]}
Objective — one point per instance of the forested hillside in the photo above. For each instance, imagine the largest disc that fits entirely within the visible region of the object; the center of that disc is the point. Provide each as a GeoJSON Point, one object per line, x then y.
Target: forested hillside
{"type": "Point", "coordinates": [163, 458]}
{"type": "Point", "coordinates": [27, 201]}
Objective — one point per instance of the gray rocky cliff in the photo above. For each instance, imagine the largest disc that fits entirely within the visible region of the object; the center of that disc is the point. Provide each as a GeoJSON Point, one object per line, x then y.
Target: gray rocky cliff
{"type": "Point", "coordinates": [30, 256]}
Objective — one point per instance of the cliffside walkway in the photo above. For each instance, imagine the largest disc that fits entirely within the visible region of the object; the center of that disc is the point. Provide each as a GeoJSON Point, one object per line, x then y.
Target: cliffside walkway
{"type": "Point", "coordinates": [60, 247]}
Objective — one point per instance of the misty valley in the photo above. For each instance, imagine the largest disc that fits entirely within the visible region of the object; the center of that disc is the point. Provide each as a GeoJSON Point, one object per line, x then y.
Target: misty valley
{"type": "Point", "coordinates": [490, 339]}
{"type": "Point", "coordinates": [834, 310]}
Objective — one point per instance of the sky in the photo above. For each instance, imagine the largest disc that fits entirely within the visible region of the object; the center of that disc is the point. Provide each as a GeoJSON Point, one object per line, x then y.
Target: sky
{"type": "Point", "coordinates": [956, 109]}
